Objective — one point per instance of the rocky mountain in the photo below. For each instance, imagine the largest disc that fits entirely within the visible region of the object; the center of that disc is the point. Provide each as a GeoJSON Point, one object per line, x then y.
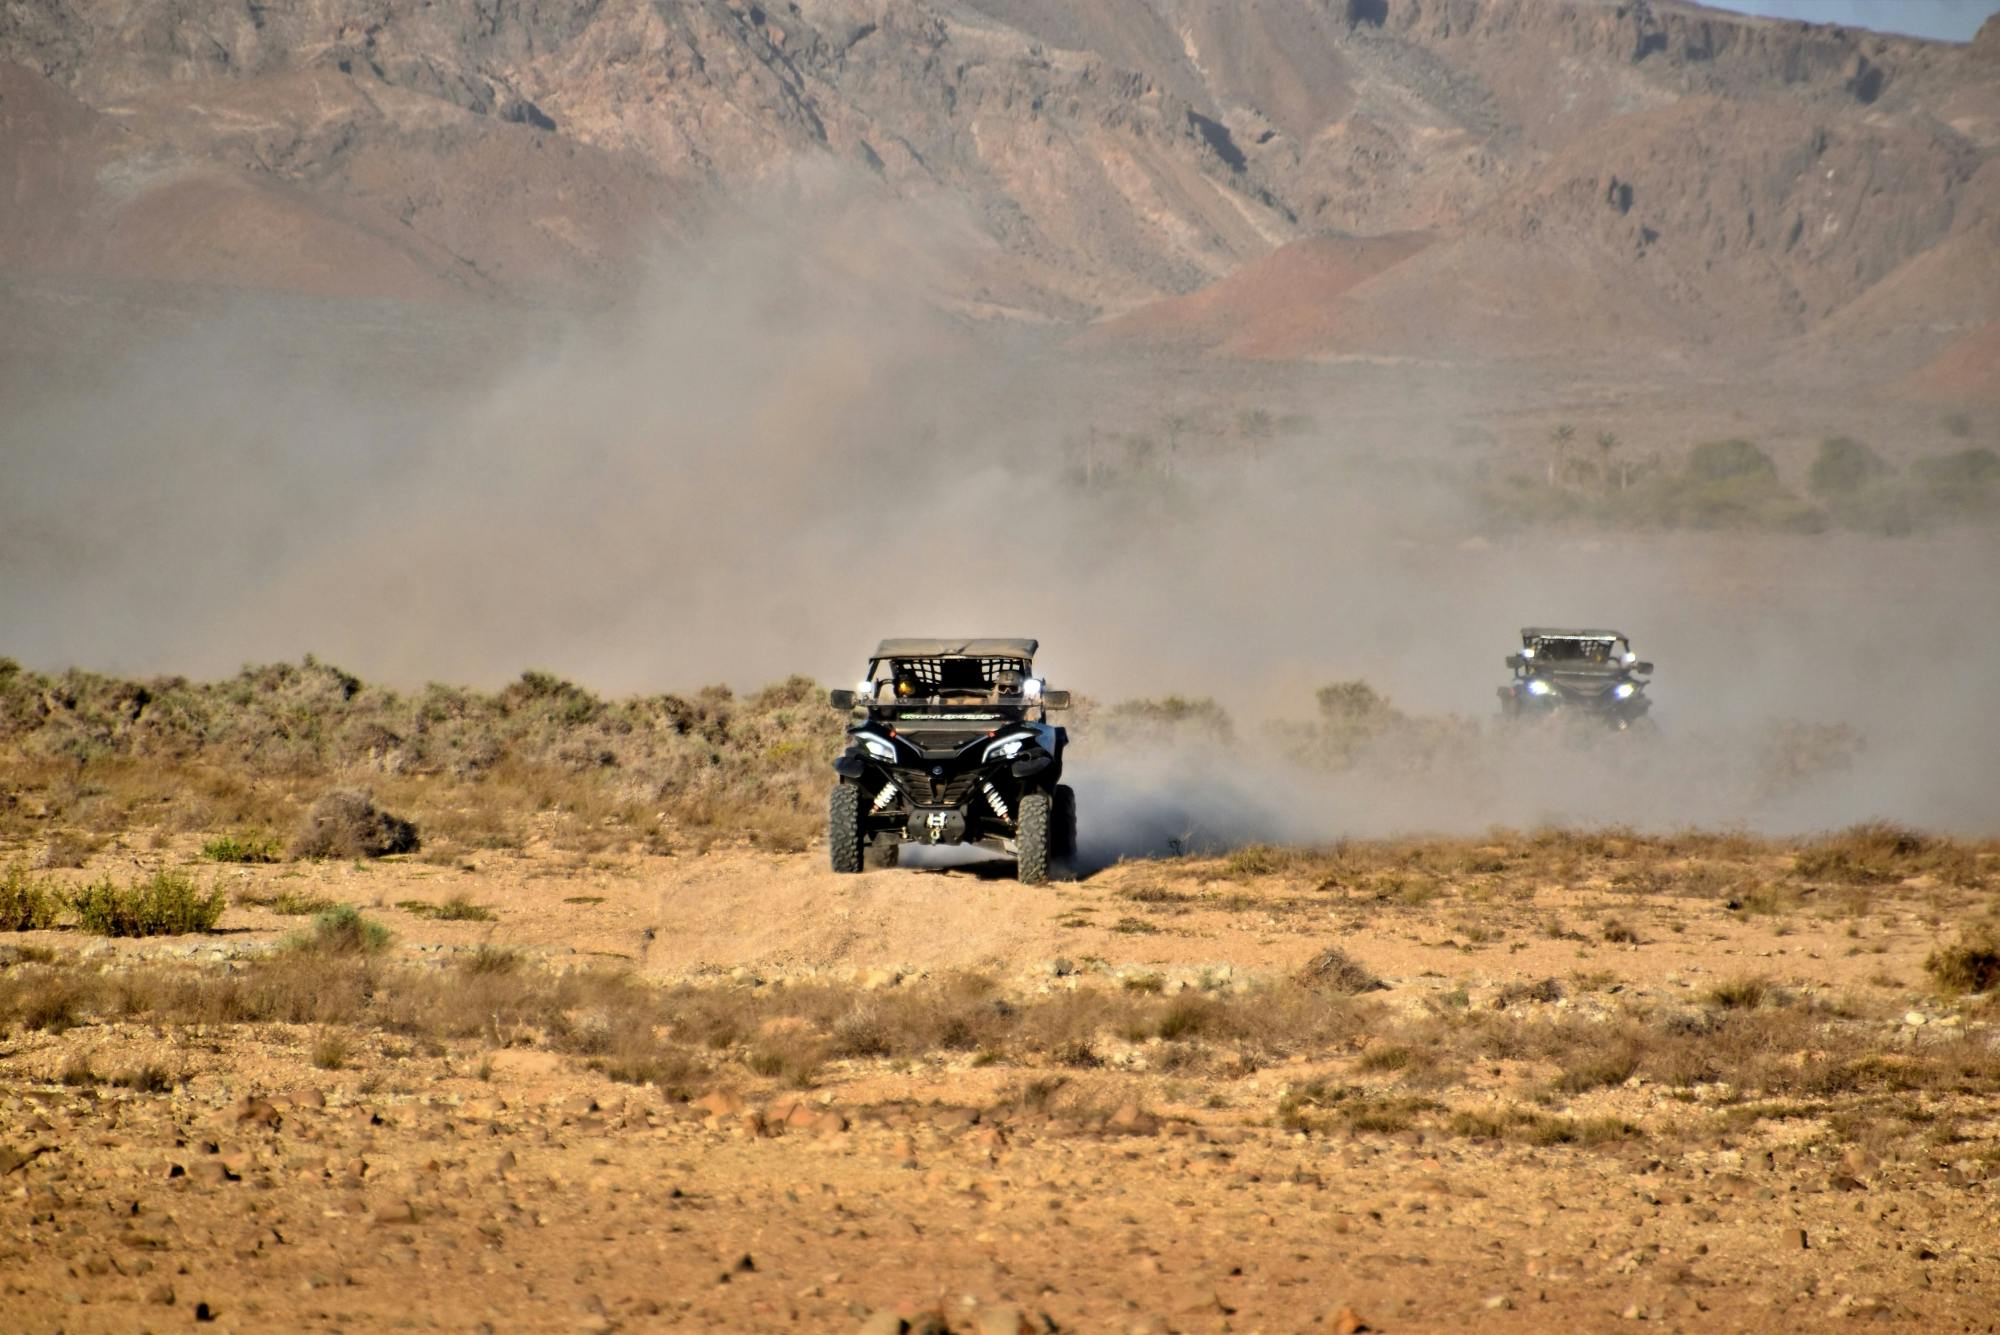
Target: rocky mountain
{"type": "Point", "coordinates": [1544, 172]}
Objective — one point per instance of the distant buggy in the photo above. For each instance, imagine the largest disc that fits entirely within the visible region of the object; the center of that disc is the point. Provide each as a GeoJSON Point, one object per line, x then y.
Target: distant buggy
{"type": "Point", "coordinates": [950, 744]}
{"type": "Point", "coordinates": [1588, 672]}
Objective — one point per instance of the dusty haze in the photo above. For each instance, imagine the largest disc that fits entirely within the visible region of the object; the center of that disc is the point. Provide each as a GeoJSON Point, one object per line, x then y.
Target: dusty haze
{"type": "Point", "coordinates": [778, 453]}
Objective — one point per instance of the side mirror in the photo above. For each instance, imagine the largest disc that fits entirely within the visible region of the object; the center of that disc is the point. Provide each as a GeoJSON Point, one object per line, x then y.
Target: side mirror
{"type": "Point", "coordinates": [1515, 661]}
{"type": "Point", "coordinates": [840, 699]}
{"type": "Point", "coordinates": [1055, 699]}
{"type": "Point", "coordinates": [1643, 668]}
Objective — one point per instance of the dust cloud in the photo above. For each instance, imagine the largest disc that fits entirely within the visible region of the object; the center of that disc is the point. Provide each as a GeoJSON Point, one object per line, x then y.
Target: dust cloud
{"type": "Point", "coordinates": [783, 448]}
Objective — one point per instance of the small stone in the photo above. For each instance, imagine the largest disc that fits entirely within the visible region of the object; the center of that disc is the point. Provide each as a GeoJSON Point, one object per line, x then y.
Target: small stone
{"type": "Point", "coordinates": [396, 1212]}
{"type": "Point", "coordinates": [1347, 1321]}
{"type": "Point", "coordinates": [161, 1294]}
{"type": "Point", "coordinates": [259, 1112]}
{"type": "Point", "coordinates": [720, 1103]}
{"type": "Point", "coordinates": [1499, 1302]}
{"type": "Point", "coordinates": [1002, 1321]}
{"type": "Point", "coordinates": [1916, 1019]}
{"type": "Point", "coordinates": [1794, 1239]}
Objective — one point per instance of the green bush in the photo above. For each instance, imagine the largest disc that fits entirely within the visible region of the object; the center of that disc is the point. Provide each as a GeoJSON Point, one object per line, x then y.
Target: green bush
{"type": "Point", "coordinates": [343, 931]}
{"type": "Point", "coordinates": [1842, 468]}
{"type": "Point", "coordinates": [27, 903]}
{"type": "Point", "coordinates": [166, 903]}
{"type": "Point", "coordinates": [1967, 482]}
{"type": "Point", "coordinates": [1724, 460]}
{"type": "Point", "coordinates": [242, 848]}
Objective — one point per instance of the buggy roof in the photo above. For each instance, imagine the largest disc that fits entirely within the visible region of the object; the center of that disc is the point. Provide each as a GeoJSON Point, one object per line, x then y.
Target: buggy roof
{"type": "Point", "coordinates": [1563, 633]}
{"type": "Point", "coordinates": [995, 648]}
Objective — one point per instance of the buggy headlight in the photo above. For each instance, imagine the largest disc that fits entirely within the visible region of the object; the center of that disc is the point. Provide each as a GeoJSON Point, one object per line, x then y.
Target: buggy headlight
{"type": "Point", "coordinates": [879, 747]}
{"type": "Point", "coordinates": [1032, 688]}
{"type": "Point", "coordinates": [1631, 657]}
{"type": "Point", "coordinates": [1539, 687]}
{"type": "Point", "coordinates": [865, 690]}
{"type": "Point", "coordinates": [1004, 749]}
{"type": "Point", "coordinates": [1528, 651]}
{"type": "Point", "coordinates": [1624, 690]}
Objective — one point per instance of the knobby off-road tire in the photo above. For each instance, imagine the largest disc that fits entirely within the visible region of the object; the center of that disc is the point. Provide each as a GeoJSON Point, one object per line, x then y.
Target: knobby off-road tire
{"type": "Point", "coordinates": [1062, 823]}
{"type": "Point", "coordinates": [1031, 839]}
{"type": "Point", "coordinates": [882, 856]}
{"type": "Point", "coordinates": [843, 827]}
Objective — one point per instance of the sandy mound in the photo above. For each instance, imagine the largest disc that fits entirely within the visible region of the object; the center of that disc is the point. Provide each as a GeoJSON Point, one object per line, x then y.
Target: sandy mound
{"type": "Point", "coordinates": [1284, 301]}
{"type": "Point", "coordinates": [1968, 370]}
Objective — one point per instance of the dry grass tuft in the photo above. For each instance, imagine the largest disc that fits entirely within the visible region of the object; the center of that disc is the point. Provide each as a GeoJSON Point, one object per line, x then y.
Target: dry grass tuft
{"type": "Point", "coordinates": [1881, 853]}
{"type": "Point", "coordinates": [1334, 970]}
{"type": "Point", "coordinates": [1970, 964]}
{"type": "Point", "coordinates": [1739, 994]}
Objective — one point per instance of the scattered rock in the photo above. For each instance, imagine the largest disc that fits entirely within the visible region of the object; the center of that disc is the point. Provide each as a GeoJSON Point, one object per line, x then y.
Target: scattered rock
{"type": "Point", "coordinates": [259, 1112]}
{"type": "Point", "coordinates": [1003, 1321]}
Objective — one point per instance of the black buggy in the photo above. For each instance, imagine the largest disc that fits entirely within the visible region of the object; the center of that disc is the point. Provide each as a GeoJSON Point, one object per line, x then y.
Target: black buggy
{"type": "Point", "coordinates": [1588, 672]}
{"type": "Point", "coordinates": [951, 744]}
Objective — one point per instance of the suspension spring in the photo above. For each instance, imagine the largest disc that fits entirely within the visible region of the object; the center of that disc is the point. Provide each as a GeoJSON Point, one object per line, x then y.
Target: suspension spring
{"type": "Point", "coordinates": [886, 796]}
{"type": "Point", "coordinates": [997, 802]}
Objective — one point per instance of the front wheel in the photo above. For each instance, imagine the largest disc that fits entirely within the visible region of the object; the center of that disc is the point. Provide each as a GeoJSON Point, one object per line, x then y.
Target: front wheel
{"type": "Point", "coordinates": [1031, 839]}
{"type": "Point", "coordinates": [1062, 817]}
{"type": "Point", "coordinates": [843, 828]}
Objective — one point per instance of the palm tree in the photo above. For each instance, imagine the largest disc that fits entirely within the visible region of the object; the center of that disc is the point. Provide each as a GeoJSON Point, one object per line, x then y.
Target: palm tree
{"type": "Point", "coordinates": [1607, 445]}
{"type": "Point", "coordinates": [1560, 438]}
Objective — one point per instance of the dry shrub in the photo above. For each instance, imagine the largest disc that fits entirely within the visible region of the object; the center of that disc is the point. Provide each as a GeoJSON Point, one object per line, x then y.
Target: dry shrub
{"type": "Point", "coordinates": [1600, 1065]}
{"type": "Point", "coordinates": [1882, 853]}
{"type": "Point", "coordinates": [1539, 1128]}
{"type": "Point", "coordinates": [1739, 994]}
{"type": "Point", "coordinates": [1334, 970]}
{"type": "Point", "coordinates": [1970, 964]}
{"type": "Point", "coordinates": [346, 823]}
{"type": "Point", "coordinates": [1320, 1107]}
{"type": "Point", "coordinates": [68, 849]}
{"type": "Point", "coordinates": [1545, 991]}
{"type": "Point", "coordinates": [456, 909]}
{"type": "Point", "coordinates": [330, 1050]}
{"type": "Point", "coordinates": [164, 904]}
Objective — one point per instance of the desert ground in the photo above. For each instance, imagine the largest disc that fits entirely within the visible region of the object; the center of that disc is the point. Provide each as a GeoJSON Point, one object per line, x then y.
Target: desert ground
{"type": "Point", "coordinates": [1273, 363]}
{"type": "Point", "coordinates": [1517, 1082]}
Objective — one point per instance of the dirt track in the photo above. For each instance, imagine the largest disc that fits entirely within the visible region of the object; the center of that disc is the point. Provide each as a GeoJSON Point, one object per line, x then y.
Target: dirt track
{"type": "Point", "coordinates": [1156, 1185]}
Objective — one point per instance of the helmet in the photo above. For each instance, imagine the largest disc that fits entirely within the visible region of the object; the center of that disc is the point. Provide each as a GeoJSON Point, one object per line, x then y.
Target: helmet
{"type": "Point", "coordinates": [906, 685]}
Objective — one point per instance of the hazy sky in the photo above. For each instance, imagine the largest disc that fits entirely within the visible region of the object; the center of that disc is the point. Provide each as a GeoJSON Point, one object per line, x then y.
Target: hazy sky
{"type": "Point", "coordinates": [1952, 20]}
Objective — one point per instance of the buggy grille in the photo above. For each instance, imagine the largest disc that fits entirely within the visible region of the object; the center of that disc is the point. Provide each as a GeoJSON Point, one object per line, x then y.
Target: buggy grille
{"type": "Point", "coordinates": [924, 789]}
{"type": "Point", "coordinates": [941, 741]}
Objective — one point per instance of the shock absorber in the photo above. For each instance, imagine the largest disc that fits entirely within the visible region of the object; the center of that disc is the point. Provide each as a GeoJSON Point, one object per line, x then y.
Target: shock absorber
{"type": "Point", "coordinates": [886, 796]}
{"type": "Point", "coordinates": [997, 802]}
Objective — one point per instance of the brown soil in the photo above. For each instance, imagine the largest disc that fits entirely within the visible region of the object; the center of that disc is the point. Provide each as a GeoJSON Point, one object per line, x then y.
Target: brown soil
{"type": "Point", "coordinates": [300, 1175]}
